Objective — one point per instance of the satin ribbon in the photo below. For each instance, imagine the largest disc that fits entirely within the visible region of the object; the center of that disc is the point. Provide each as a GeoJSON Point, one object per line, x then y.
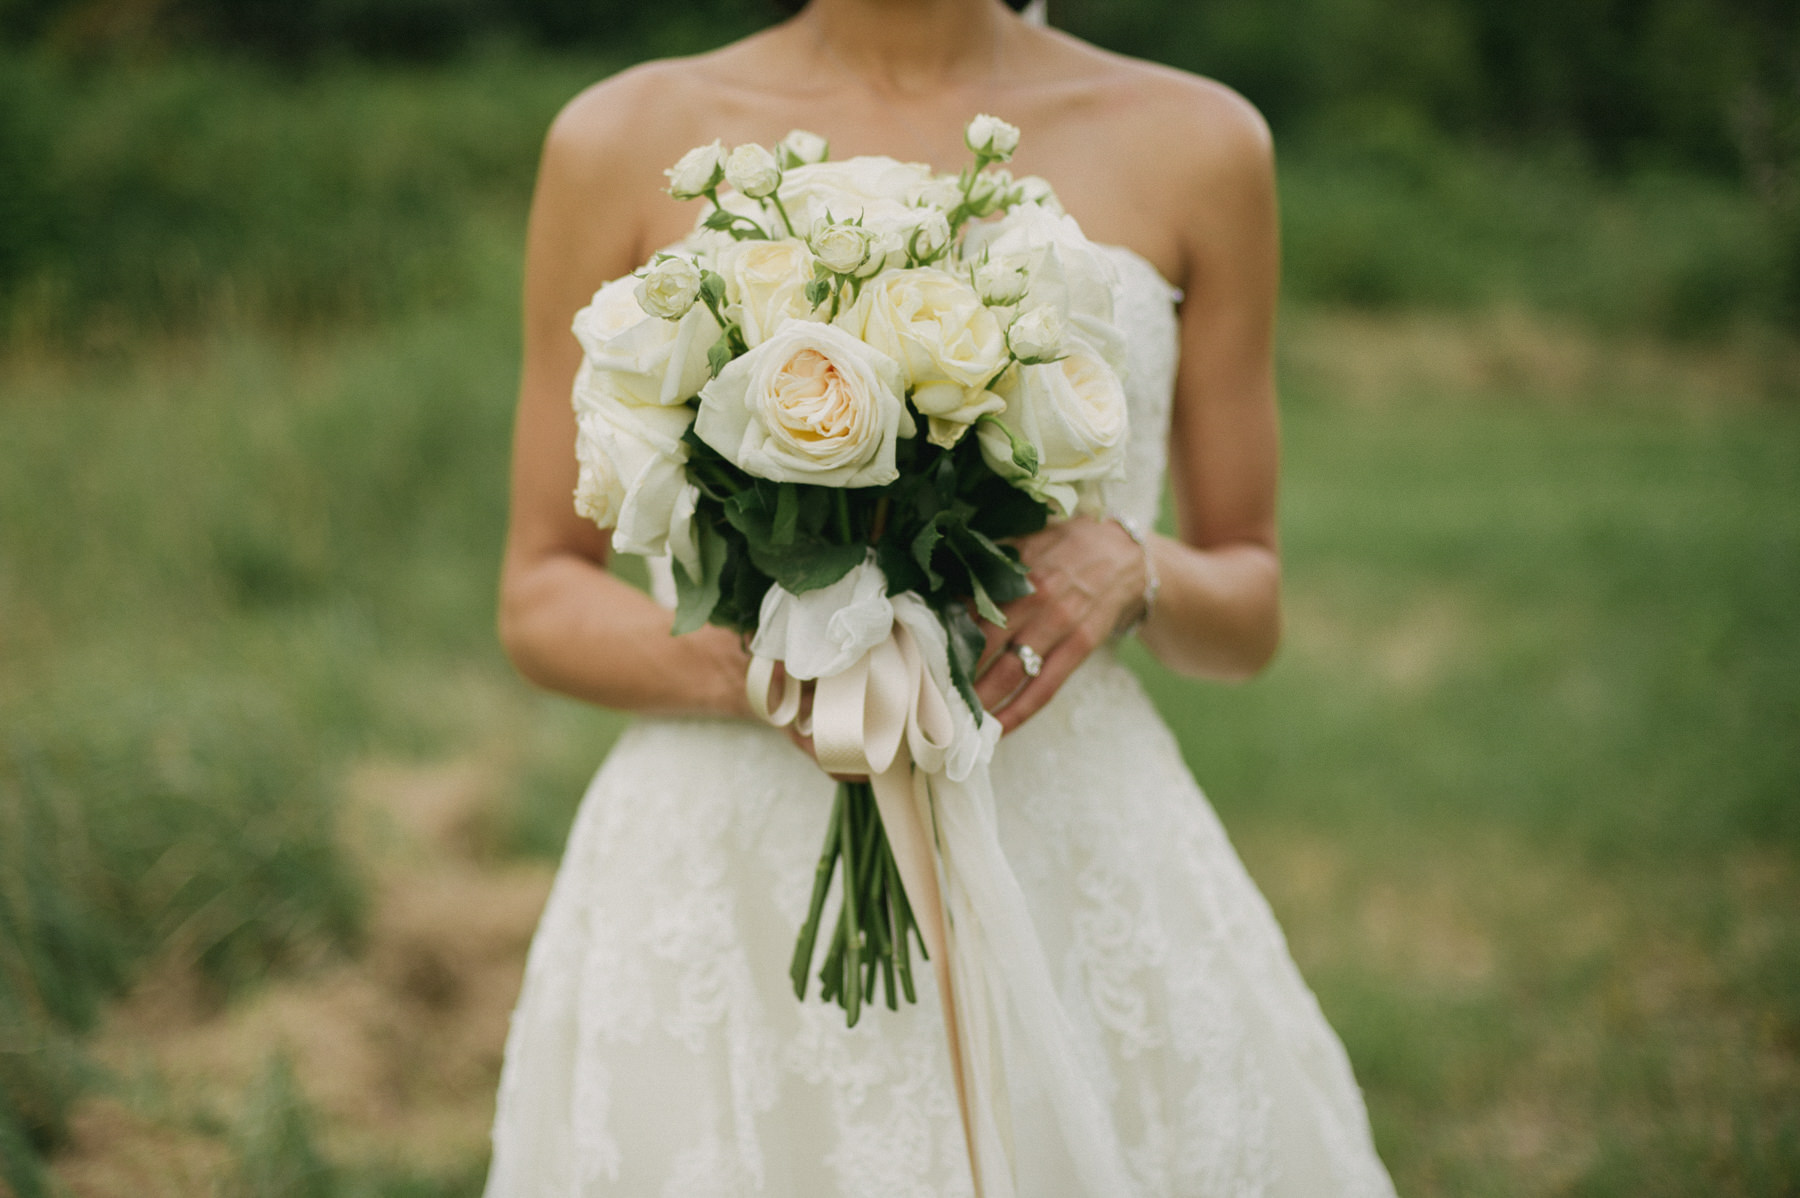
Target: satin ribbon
{"type": "Point", "coordinates": [888, 717]}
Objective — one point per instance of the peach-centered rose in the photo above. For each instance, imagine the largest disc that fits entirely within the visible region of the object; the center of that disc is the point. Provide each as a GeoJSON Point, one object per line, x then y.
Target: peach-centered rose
{"type": "Point", "coordinates": [811, 404]}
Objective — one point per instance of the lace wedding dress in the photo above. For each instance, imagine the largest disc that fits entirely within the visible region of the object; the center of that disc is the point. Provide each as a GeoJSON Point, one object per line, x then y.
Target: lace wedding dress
{"type": "Point", "coordinates": [657, 1050]}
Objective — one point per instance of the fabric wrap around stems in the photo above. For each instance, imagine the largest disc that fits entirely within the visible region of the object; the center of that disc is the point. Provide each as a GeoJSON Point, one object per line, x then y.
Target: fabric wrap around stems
{"type": "Point", "coordinates": [884, 706]}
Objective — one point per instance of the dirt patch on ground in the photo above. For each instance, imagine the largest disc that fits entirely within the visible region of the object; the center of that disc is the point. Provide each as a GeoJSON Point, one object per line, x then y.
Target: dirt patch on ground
{"type": "Point", "coordinates": [1375, 360]}
{"type": "Point", "coordinates": [396, 1051]}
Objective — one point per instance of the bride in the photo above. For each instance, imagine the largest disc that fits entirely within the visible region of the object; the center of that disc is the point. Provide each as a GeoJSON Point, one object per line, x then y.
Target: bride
{"type": "Point", "coordinates": [656, 1048]}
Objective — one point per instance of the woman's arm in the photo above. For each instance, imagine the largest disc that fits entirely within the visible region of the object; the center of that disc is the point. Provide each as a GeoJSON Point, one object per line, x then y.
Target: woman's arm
{"type": "Point", "coordinates": [1218, 607]}
{"type": "Point", "coordinates": [1218, 613]}
{"type": "Point", "coordinates": [566, 623]}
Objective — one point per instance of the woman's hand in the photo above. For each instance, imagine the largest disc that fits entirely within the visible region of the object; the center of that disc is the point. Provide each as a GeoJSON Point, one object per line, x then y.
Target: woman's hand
{"type": "Point", "coordinates": [1089, 577]}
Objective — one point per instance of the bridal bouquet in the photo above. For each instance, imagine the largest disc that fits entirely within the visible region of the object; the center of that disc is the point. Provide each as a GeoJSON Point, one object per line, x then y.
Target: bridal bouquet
{"type": "Point", "coordinates": [831, 406]}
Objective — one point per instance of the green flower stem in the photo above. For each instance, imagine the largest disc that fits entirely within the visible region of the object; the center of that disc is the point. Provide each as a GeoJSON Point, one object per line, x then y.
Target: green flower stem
{"type": "Point", "coordinates": [853, 951]}
{"type": "Point", "coordinates": [781, 211]}
{"type": "Point", "coordinates": [869, 944]}
{"type": "Point", "coordinates": [901, 914]}
{"type": "Point", "coordinates": [843, 514]}
{"type": "Point", "coordinates": [809, 931]}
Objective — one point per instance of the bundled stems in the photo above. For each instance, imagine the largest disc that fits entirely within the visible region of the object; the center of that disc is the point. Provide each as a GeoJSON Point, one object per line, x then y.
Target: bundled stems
{"type": "Point", "coordinates": [874, 919]}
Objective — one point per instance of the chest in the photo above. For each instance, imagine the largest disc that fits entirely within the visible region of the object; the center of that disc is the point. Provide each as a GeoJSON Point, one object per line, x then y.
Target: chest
{"type": "Point", "coordinates": [1089, 152]}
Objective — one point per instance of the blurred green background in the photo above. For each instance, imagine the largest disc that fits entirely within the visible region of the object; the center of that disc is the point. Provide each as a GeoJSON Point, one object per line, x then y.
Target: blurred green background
{"type": "Point", "coordinates": [1524, 785]}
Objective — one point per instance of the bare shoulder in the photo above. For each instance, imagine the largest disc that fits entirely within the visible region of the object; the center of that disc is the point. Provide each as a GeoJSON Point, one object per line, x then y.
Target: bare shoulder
{"type": "Point", "coordinates": [1167, 162]}
{"type": "Point", "coordinates": [1168, 116]}
{"type": "Point", "coordinates": [608, 147]}
{"type": "Point", "coordinates": [628, 116]}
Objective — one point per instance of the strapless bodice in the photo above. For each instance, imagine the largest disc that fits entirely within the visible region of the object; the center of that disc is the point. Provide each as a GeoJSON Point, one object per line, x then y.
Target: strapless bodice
{"type": "Point", "coordinates": [1144, 311]}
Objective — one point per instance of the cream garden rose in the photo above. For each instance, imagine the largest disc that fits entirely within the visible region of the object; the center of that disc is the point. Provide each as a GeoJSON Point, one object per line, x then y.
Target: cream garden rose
{"type": "Point", "coordinates": [801, 148]}
{"type": "Point", "coordinates": [1000, 282]}
{"type": "Point", "coordinates": [812, 404]}
{"type": "Point", "coordinates": [946, 340]}
{"type": "Point", "coordinates": [753, 170]}
{"type": "Point", "coordinates": [929, 237]}
{"type": "Point", "coordinates": [1073, 413]}
{"type": "Point", "coordinates": [669, 287]}
{"type": "Point", "coordinates": [1035, 189]}
{"type": "Point", "coordinates": [645, 359]}
{"type": "Point", "coordinates": [632, 471]}
{"type": "Point", "coordinates": [765, 284]}
{"type": "Point", "coordinates": [991, 137]}
{"type": "Point", "coordinates": [844, 248]}
{"type": "Point", "coordinates": [1036, 336]}
{"type": "Point", "coordinates": [699, 171]}
{"type": "Point", "coordinates": [1065, 269]}
{"type": "Point", "coordinates": [879, 195]}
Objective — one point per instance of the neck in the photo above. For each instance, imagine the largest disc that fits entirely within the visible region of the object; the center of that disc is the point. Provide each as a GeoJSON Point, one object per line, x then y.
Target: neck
{"type": "Point", "coordinates": [908, 47]}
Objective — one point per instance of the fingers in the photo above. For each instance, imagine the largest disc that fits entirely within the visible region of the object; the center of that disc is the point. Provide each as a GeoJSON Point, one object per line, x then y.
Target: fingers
{"type": "Point", "coordinates": [1059, 663]}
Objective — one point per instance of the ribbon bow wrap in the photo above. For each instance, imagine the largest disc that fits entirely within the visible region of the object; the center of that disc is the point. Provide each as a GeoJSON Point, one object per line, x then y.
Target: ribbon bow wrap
{"type": "Point", "coordinates": [884, 705]}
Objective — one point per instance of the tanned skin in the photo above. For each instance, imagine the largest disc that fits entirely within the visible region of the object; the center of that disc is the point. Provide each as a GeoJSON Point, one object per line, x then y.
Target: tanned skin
{"type": "Point", "coordinates": [1176, 167]}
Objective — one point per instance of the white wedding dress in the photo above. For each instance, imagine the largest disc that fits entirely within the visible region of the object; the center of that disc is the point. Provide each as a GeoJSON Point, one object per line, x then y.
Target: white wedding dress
{"type": "Point", "coordinates": [658, 1051]}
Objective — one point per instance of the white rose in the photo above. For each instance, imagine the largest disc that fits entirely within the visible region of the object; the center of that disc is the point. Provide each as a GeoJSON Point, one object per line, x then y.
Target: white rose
{"type": "Point", "coordinates": [991, 137]}
{"type": "Point", "coordinates": [765, 281]}
{"type": "Point", "coordinates": [943, 192]}
{"type": "Point", "coordinates": [800, 148]}
{"type": "Point", "coordinates": [1035, 189]}
{"type": "Point", "coordinates": [930, 236]}
{"type": "Point", "coordinates": [989, 192]}
{"type": "Point", "coordinates": [1000, 282]}
{"type": "Point", "coordinates": [1064, 268]}
{"type": "Point", "coordinates": [632, 476]}
{"type": "Point", "coordinates": [753, 170]}
{"type": "Point", "coordinates": [669, 288]}
{"type": "Point", "coordinates": [698, 172]}
{"type": "Point", "coordinates": [879, 193]}
{"type": "Point", "coordinates": [845, 249]}
{"type": "Point", "coordinates": [645, 359]}
{"type": "Point", "coordinates": [1072, 412]}
{"type": "Point", "coordinates": [949, 345]}
{"type": "Point", "coordinates": [812, 404]}
{"type": "Point", "coordinates": [1036, 336]}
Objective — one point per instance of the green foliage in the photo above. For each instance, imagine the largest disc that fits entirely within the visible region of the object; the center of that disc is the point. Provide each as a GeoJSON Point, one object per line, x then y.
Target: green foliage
{"type": "Point", "coordinates": [296, 33]}
{"type": "Point", "coordinates": [1636, 81]}
{"type": "Point", "coordinates": [166, 196]}
{"type": "Point", "coordinates": [1392, 216]}
{"type": "Point", "coordinates": [277, 1152]}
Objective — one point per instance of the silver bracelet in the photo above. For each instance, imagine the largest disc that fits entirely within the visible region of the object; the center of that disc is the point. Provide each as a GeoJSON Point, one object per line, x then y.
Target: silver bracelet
{"type": "Point", "coordinates": [1152, 583]}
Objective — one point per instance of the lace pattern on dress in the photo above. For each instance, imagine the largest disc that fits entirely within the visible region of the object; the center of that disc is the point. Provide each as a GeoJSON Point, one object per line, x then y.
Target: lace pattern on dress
{"type": "Point", "coordinates": [657, 1048]}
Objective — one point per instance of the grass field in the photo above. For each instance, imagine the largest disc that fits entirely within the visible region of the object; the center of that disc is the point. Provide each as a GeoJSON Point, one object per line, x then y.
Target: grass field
{"type": "Point", "coordinates": [275, 817]}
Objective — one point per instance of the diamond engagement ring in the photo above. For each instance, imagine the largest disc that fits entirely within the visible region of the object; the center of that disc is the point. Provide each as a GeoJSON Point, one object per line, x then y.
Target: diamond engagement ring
{"type": "Point", "coordinates": [1029, 658]}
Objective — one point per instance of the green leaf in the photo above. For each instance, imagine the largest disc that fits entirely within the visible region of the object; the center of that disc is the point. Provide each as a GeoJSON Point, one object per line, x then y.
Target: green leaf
{"type": "Point", "coordinates": [719, 356]}
{"type": "Point", "coordinates": [787, 514]}
{"type": "Point", "coordinates": [818, 291]}
{"type": "Point", "coordinates": [695, 598]}
{"type": "Point", "coordinates": [924, 544]}
{"type": "Point", "coordinates": [984, 603]}
{"type": "Point", "coordinates": [1002, 511]}
{"type": "Point", "coordinates": [718, 218]}
{"type": "Point", "coordinates": [896, 562]}
{"type": "Point", "coordinates": [712, 286]}
{"type": "Point", "coordinates": [996, 575]}
{"type": "Point", "coordinates": [808, 564]}
{"type": "Point", "coordinates": [966, 644]}
{"type": "Point", "coordinates": [809, 561]}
